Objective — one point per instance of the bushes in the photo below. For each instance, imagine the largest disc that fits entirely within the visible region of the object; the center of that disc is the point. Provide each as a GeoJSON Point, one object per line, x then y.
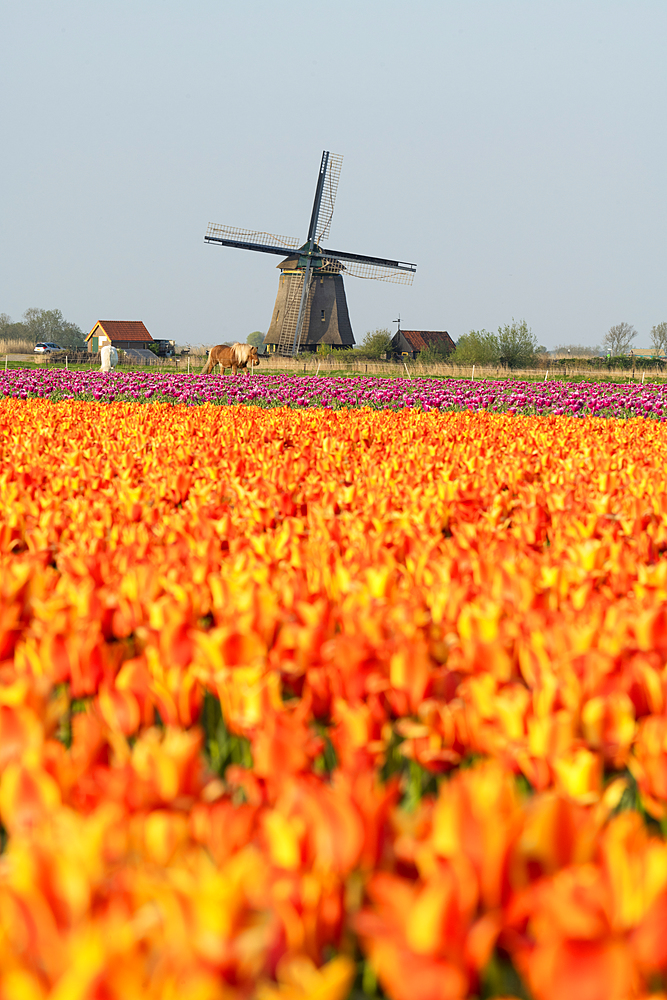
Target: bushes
{"type": "Point", "coordinates": [622, 361]}
{"type": "Point", "coordinates": [514, 346]}
{"type": "Point", "coordinates": [479, 347]}
{"type": "Point", "coordinates": [375, 344]}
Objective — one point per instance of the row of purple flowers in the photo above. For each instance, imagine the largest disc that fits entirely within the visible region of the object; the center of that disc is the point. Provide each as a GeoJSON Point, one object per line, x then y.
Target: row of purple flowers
{"type": "Point", "coordinates": [337, 393]}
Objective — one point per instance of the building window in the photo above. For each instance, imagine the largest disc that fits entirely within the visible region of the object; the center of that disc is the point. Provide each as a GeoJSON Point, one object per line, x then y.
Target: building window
{"type": "Point", "coordinates": [323, 318]}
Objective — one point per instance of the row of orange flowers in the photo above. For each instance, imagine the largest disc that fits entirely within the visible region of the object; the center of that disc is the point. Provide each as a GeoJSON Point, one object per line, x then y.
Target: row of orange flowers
{"type": "Point", "coordinates": [294, 702]}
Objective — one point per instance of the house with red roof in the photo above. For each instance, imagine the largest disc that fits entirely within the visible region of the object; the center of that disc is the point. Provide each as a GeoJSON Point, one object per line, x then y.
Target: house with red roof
{"type": "Point", "coordinates": [123, 333]}
{"type": "Point", "coordinates": [410, 343]}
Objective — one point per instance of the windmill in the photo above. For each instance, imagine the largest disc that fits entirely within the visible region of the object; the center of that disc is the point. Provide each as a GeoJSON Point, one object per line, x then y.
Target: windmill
{"type": "Point", "coordinates": [311, 307]}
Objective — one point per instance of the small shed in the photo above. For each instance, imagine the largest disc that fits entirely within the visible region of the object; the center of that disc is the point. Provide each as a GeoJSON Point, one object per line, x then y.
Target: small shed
{"type": "Point", "coordinates": [139, 354]}
{"type": "Point", "coordinates": [122, 333]}
{"type": "Point", "coordinates": [646, 352]}
{"type": "Point", "coordinates": [410, 343]}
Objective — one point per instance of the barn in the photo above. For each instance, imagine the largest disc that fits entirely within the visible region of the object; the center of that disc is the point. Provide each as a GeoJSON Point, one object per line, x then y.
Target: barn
{"type": "Point", "coordinates": [122, 333]}
{"type": "Point", "coordinates": [410, 343]}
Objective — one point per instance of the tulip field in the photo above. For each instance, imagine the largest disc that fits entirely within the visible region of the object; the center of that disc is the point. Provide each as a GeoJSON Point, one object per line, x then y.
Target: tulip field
{"type": "Point", "coordinates": [355, 691]}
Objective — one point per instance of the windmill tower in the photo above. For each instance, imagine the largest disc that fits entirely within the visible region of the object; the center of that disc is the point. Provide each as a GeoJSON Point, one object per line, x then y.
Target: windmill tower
{"type": "Point", "coordinates": [311, 307]}
{"type": "Point", "coordinates": [325, 319]}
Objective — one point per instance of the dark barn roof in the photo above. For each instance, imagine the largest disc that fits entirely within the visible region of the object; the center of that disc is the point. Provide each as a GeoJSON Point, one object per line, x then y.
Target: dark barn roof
{"type": "Point", "coordinates": [419, 340]}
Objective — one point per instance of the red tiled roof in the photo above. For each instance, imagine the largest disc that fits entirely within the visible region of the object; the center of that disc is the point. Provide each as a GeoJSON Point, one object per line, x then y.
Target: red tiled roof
{"type": "Point", "coordinates": [421, 339]}
{"type": "Point", "coordinates": [123, 329]}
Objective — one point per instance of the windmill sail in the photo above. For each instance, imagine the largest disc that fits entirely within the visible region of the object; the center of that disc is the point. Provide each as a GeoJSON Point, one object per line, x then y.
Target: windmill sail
{"type": "Point", "coordinates": [329, 191]}
{"type": "Point", "coordinates": [249, 239]}
{"type": "Point", "coordinates": [399, 274]}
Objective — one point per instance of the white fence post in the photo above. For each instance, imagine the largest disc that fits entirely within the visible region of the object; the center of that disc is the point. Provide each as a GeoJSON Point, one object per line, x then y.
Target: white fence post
{"type": "Point", "coordinates": [546, 374]}
{"type": "Point", "coordinates": [473, 373]}
{"type": "Point", "coordinates": [406, 368]}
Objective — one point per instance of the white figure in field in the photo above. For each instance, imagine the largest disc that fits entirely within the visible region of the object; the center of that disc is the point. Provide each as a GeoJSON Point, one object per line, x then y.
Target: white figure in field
{"type": "Point", "coordinates": [109, 357]}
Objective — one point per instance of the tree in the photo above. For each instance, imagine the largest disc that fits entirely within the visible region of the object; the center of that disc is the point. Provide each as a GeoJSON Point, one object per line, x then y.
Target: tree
{"type": "Point", "coordinates": [618, 338]}
{"type": "Point", "coordinates": [50, 325]}
{"type": "Point", "coordinates": [479, 347]}
{"type": "Point", "coordinates": [256, 338]}
{"type": "Point", "coordinates": [376, 343]}
{"type": "Point", "coordinates": [659, 337]}
{"type": "Point", "coordinates": [9, 330]}
{"type": "Point", "coordinates": [517, 344]}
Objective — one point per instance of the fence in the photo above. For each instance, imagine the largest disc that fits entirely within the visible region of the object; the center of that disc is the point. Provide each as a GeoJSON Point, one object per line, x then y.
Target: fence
{"type": "Point", "coordinates": [83, 361]}
{"type": "Point", "coordinates": [337, 364]}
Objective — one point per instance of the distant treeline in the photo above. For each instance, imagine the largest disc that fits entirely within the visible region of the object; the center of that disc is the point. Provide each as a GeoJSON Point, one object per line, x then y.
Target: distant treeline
{"type": "Point", "coordinates": [42, 325]}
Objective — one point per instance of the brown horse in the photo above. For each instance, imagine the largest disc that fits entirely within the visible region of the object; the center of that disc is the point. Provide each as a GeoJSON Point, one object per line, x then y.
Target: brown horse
{"type": "Point", "coordinates": [235, 357]}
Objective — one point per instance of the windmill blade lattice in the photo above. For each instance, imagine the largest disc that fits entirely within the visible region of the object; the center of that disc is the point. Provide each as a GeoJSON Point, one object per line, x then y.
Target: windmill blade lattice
{"type": "Point", "coordinates": [234, 235]}
{"type": "Point", "coordinates": [361, 269]}
{"type": "Point", "coordinates": [329, 192]}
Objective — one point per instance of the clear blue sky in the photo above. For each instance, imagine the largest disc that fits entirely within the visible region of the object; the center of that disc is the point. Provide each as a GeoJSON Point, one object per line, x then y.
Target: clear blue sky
{"type": "Point", "coordinates": [516, 151]}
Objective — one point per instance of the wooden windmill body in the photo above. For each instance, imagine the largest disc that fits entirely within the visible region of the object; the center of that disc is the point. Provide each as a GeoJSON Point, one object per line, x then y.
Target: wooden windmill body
{"type": "Point", "coordinates": [311, 307]}
{"type": "Point", "coordinates": [326, 319]}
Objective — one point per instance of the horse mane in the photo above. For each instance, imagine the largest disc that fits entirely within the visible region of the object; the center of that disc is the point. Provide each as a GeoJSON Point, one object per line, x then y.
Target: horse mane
{"type": "Point", "coordinates": [241, 353]}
